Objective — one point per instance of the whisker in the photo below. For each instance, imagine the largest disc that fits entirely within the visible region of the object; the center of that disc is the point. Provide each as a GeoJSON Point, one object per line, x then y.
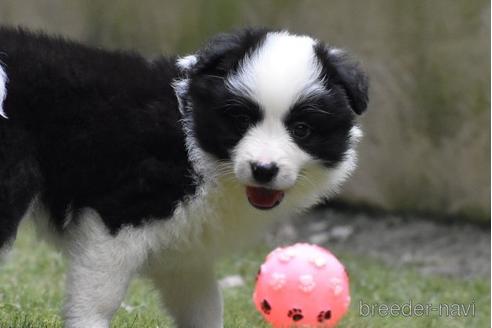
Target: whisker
{"type": "Point", "coordinates": [305, 179]}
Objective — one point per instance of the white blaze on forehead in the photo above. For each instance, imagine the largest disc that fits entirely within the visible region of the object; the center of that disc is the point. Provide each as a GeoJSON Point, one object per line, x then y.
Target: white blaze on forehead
{"type": "Point", "coordinates": [281, 70]}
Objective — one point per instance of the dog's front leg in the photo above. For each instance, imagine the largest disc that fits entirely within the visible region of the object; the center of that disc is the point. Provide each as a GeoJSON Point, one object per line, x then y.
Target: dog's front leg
{"type": "Point", "coordinates": [191, 296]}
{"type": "Point", "coordinates": [101, 268]}
{"type": "Point", "coordinates": [93, 295]}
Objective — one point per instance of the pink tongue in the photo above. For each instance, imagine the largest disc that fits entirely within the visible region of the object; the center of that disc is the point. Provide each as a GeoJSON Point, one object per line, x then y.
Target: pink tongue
{"type": "Point", "coordinates": [264, 198]}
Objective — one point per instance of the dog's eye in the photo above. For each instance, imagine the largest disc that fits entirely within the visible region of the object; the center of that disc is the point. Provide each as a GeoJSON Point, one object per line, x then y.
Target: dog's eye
{"type": "Point", "coordinates": [301, 130]}
{"type": "Point", "coordinates": [242, 121]}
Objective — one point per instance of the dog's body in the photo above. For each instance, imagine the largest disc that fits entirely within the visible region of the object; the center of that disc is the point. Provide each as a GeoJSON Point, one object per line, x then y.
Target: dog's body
{"type": "Point", "coordinates": [129, 175]}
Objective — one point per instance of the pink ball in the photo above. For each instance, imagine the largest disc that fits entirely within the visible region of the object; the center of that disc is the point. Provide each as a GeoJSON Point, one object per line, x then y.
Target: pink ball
{"type": "Point", "coordinates": [302, 285]}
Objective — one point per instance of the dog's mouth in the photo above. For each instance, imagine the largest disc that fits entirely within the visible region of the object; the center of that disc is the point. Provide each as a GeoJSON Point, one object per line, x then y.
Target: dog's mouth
{"type": "Point", "coordinates": [263, 198]}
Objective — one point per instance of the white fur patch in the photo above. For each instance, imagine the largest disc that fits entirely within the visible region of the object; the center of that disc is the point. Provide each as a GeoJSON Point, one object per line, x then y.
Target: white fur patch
{"type": "Point", "coordinates": [283, 69]}
{"type": "Point", "coordinates": [5, 251]}
{"type": "Point", "coordinates": [269, 142]}
{"type": "Point", "coordinates": [3, 90]}
{"type": "Point", "coordinates": [187, 62]}
{"type": "Point", "coordinates": [336, 51]}
{"type": "Point", "coordinates": [355, 135]}
{"type": "Point", "coordinates": [101, 267]}
{"type": "Point", "coordinates": [181, 88]}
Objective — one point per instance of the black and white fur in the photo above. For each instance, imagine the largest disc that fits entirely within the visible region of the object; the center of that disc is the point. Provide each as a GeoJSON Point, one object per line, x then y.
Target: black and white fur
{"type": "Point", "coordinates": [135, 166]}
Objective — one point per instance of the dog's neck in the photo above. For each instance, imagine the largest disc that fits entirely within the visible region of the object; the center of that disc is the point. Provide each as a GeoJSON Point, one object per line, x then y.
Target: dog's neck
{"type": "Point", "coordinates": [204, 165]}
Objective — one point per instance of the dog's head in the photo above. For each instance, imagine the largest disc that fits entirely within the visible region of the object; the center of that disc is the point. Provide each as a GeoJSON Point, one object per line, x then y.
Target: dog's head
{"type": "Point", "coordinates": [276, 110]}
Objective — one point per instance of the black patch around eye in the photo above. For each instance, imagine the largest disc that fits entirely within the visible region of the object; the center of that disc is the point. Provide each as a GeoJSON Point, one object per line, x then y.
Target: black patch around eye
{"type": "Point", "coordinates": [329, 120]}
{"type": "Point", "coordinates": [301, 130]}
{"type": "Point", "coordinates": [242, 122]}
{"type": "Point", "coordinates": [241, 112]}
{"type": "Point", "coordinates": [220, 118]}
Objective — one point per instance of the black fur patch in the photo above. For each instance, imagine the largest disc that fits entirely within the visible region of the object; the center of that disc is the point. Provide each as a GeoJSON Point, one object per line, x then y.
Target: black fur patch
{"type": "Point", "coordinates": [216, 109]}
{"type": "Point", "coordinates": [102, 128]}
{"type": "Point", "coordinates": [329, 120]}
{"type": "Point", "coordinates": [20, 178]}
{"type": "Point", "coordinates": [223, 53]}
{"type": "Point", "coordinates": [340, 70]}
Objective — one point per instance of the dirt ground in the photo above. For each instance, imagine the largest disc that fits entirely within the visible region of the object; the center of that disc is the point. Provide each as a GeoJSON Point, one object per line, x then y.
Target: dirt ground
{"type": "Point", "coordinates": [459, 250]}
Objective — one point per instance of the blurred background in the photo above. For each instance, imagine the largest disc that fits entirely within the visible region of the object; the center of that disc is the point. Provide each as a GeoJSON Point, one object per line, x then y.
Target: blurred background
{"type": "Point", "coordinates": [427, 131]}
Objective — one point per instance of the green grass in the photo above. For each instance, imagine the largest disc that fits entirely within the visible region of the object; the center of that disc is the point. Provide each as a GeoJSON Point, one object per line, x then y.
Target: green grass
{"type": "Point", "coordinates": [31, 292]}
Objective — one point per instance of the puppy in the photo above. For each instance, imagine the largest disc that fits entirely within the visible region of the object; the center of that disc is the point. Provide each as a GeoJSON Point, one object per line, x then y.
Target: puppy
{"type": "Point", "coordinates": [161, 167]}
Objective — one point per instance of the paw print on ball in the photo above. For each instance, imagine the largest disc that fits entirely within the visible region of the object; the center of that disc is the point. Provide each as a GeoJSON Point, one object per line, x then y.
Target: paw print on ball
{"type": "Point", "coordinates": [295, 314]}
{"type": "Point", "coordinates": [265, 307]}
{"type": "Point", "coordinates": [324, 315]}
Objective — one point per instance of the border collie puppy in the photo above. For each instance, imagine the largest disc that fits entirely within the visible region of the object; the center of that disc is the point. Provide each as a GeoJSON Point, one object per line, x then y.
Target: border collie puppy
{"type": "Point", "coordinates": [160, 167]}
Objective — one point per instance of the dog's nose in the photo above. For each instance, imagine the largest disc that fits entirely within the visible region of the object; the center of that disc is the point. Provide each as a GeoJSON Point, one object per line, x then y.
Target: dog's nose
{"type": "Point", "coordinates": [264, 172]}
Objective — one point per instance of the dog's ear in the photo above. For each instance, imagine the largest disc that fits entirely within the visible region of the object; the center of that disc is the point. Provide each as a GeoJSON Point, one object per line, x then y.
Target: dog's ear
{"type": "Point", "coordinates": [223, 53]}
{"type": "Point", "coordinates": [341, 69]}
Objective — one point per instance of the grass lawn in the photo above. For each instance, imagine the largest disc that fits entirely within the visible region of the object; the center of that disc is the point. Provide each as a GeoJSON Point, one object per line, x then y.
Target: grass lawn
{"type": "Point", "coordinates": [31, 292]}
